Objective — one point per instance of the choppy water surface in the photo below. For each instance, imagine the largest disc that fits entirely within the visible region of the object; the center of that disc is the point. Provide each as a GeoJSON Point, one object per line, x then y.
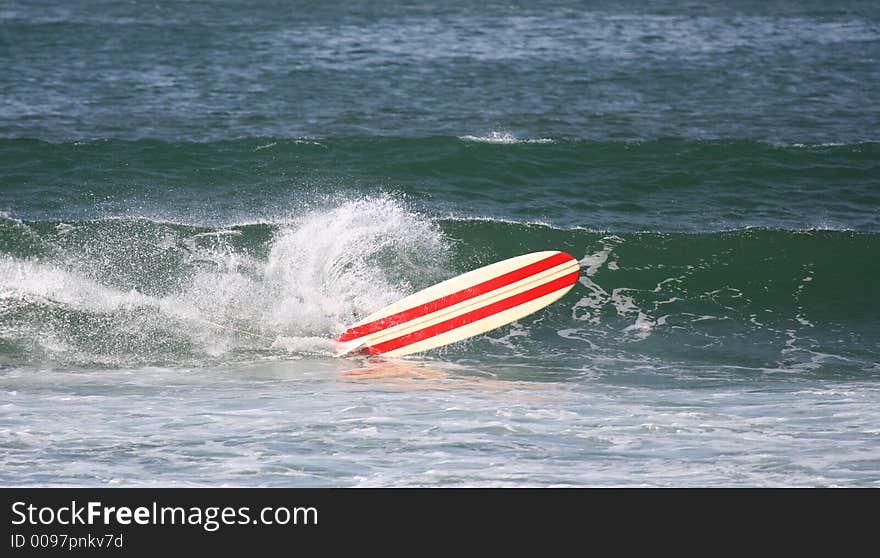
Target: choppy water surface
{"type": "Point", "coordinates": [196, 199]}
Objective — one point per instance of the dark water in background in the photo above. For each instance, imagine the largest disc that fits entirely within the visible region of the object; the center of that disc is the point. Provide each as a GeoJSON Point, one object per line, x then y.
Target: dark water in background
{"type": "Point", "coordinates": [769, 71]}
{"type": "Point", "coordinates": [195, 198]}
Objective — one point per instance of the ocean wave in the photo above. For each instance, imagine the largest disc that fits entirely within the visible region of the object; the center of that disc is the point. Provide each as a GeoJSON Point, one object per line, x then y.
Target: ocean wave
{"type": "Point", "coordinates": [129, 292]}
{"type": "Point", "coordinates": [667, 184]}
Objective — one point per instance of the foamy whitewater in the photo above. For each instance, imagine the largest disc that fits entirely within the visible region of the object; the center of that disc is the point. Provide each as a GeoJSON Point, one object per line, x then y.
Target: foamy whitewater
{"type": "Point", "coordinates": [189, 222]}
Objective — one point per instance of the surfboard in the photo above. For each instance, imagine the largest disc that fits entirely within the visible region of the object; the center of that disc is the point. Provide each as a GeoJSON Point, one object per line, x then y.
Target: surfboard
{"type": "Point", "coordinates": [464, 306]}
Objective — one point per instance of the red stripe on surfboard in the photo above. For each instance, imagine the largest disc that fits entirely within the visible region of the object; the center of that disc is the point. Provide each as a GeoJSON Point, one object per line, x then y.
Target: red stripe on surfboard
{"type": "Point", "coordinates": [474, 315]}
{"type": "Point", "coordinates": [456, 297]}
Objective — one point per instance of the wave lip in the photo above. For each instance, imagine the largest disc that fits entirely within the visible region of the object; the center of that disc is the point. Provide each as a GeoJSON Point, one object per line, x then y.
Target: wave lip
{"type": "Point", "coordinates": [667, 184]}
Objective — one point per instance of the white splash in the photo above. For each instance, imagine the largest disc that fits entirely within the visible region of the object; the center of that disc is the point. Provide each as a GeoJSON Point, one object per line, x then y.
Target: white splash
{"type": "Point", "coordinates": [324, 269]}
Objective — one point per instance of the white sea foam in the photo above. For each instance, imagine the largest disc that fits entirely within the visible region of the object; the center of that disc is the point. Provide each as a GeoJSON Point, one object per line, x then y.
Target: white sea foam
{"type": "Point", "coordinates": [505, 138]}
{"type": "Point", "coordinates": [588, 307]}
{"type": "Point", "coordinates": [52, 282]}
{"type": "Point", "coordinates": [592, 262]}
{"type": "Point", "coordinates": [324, 269]}
{"type": "Point", "coordinates": [811, 145]}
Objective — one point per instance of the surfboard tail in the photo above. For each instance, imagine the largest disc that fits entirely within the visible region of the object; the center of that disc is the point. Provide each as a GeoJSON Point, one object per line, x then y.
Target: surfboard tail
{"type": "Point", "coordinates": [356, 348]}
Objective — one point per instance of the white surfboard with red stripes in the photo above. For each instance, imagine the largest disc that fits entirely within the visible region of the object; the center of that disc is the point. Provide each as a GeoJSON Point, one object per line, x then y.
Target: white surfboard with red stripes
{"type": "Point", "coordinates": [464, 306]}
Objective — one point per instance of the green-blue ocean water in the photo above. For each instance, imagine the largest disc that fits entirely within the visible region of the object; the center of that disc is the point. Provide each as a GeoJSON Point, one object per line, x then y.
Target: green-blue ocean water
{"type": "Point", "coordinates": [196, 199]}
